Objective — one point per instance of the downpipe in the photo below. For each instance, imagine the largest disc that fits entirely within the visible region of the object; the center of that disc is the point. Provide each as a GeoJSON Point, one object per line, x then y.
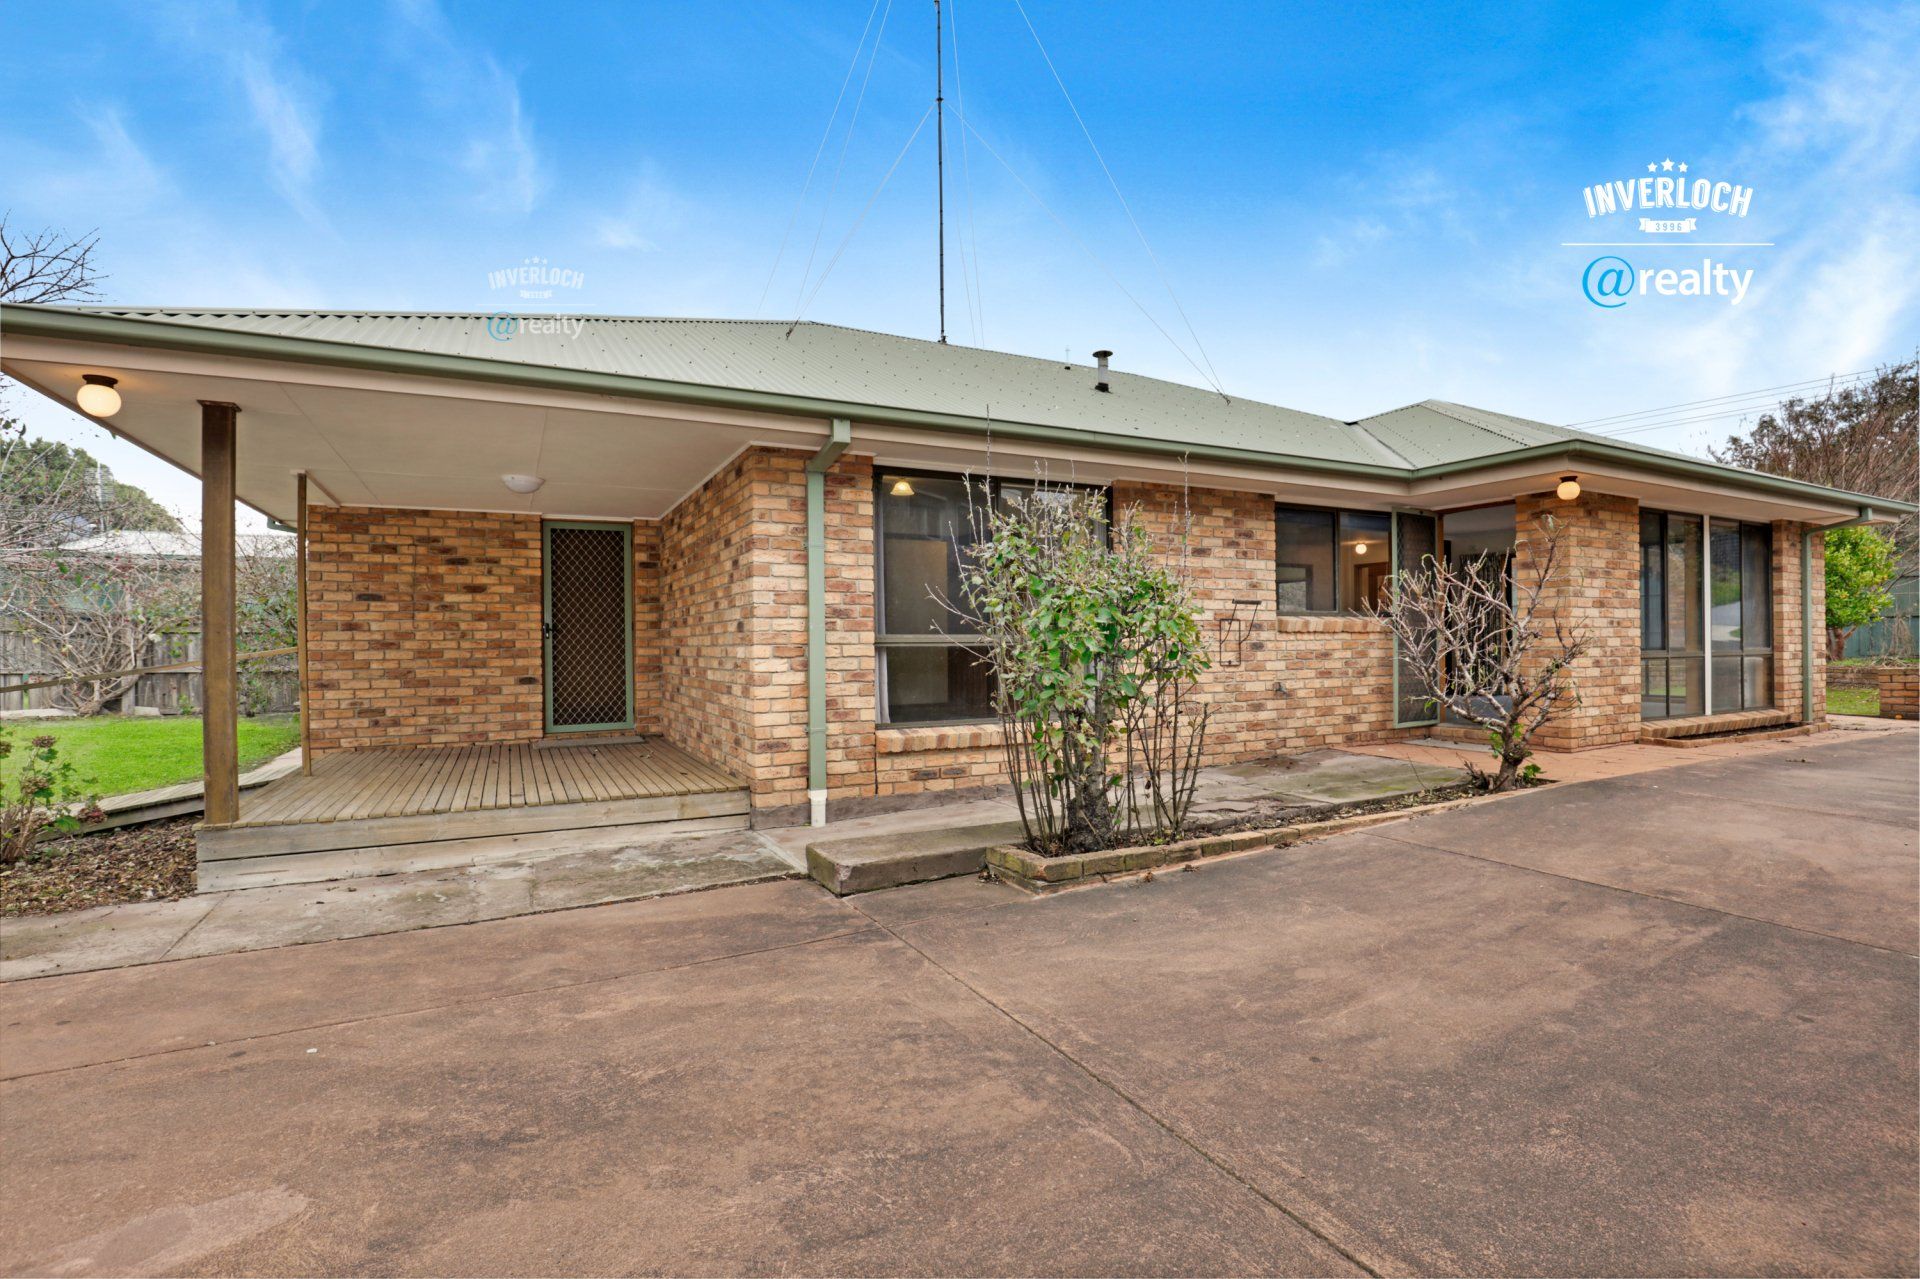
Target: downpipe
{"type": "Point", "coordinates": [818, 465]}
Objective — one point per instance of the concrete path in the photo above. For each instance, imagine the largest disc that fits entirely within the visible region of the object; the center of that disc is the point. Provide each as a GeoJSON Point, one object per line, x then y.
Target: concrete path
{"type": "Point", "coordinates": [1663, 1024]}
{"type": "Point", "coordinates": [605, 865]}
{"type": "Point", "coordinates": [612, 864]}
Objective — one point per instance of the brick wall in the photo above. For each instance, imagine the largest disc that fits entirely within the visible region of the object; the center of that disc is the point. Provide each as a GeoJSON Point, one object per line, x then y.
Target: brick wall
{"type": "Point", "coordinates": [1596, 593]}
{"type": "Point", "coordinates": [704, 547]}
{"type": "Point", "coordinates": [424, 627]}
{"type": "Point", "coordinates": [1293, 683]}
{"type": "Point", "coordinates": [734, 588]}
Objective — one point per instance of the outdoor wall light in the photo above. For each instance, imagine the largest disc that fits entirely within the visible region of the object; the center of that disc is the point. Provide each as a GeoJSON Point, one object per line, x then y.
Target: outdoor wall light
{"type": "Point", "coordinates": [902, 488]}
{"type": "Point", "coordinates": [97, 395]}
{"type": "Point", "coordinates": [1569, 488]}
{"type": "Point", "coordinates": [1359, 548]}
{"type": "Point", "coordinates": [522, 483]}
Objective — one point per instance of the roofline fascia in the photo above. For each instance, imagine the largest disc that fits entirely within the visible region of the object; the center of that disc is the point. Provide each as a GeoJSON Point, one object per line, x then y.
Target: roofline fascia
{"type": "Point", "coordinates": [1596, 451]}
{"type": "Point", "coordinates": [54, 323]}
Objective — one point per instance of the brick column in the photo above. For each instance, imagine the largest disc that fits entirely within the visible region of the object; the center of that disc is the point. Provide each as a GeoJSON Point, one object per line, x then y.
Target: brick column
{"type": "Point", "coordinates": [1788, 637]}
{"type": "Point", "coordinates": [1597, 593]}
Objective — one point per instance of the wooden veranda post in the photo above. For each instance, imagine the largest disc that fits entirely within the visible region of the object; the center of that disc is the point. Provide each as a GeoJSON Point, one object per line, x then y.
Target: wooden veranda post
{"type": "Point", "coordinates": [300, 618]}
{"type": "Point", "coordinates": [220, 728]}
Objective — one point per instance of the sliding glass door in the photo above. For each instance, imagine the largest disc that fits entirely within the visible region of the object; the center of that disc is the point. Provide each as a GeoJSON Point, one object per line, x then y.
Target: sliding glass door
{"type": "Point", "coordinates": [1705, 592]}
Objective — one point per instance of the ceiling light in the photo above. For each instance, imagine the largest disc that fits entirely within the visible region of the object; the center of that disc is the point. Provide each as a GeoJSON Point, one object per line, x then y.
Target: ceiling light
{"type": "Point", "coordinates": [1569, 488]}
{"type": "Point", "coordinates": [1359, 548]}
{"type": "Point", "coordinates": [902, 488]}
{"type": "Point", "coordinates": [522, 483]}
{"type": "Point", "coordinates": [97, 395]}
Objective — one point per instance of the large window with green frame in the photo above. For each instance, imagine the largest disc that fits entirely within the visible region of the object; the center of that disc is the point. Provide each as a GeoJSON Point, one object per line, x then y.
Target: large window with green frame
{"type": "Point", "coordinates": [929, 669]}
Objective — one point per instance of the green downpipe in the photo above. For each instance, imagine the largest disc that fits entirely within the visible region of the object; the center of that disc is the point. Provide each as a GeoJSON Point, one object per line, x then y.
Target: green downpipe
{"type": "Point", "coordinates": [817, 467]}
{"type": "Point", "coordinates": [1806, 607]}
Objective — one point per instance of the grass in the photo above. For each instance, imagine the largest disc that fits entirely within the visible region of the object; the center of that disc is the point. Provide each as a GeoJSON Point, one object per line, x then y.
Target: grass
{"type": "Point", "coordinates": [1853, 701]}
{"type": "Point", "coordinates": [113, 755]}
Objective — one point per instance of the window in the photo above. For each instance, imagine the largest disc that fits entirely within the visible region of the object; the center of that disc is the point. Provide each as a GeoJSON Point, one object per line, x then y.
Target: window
{"type": "Point", "coordinates": [1331, 561]}
{"type": "Point", "coordinates": [1706, 596]}
{"type": "Point", "coordinates": [928, 672]}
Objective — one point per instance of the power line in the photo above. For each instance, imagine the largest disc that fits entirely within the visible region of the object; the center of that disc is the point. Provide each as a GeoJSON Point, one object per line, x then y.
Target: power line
{"type": "Point", "coordinates": [1737, 395]}
{"type": "Point", "coordinates": [818, 151]}
{"type": "Point", "coordinates": [1088, 250]}
{"type": "Point", "coordinates": [840, 163]}
{"type": "Point", "coordinates": [1732, 407]}
{"type": "Point", "coordinates": [1125, 207]}
{"type": "Point", "coordinates": [865, 209]}
{"type": "Point", "coordinates": [976, 299]}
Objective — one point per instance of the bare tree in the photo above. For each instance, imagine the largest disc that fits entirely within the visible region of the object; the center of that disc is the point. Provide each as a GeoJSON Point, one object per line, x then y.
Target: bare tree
{"type": "Point", "coordinates": [1485, 649]}
{"type": "Point", "coordinates": [1863, 438]}
{"type": "Point", "coordinates": [47, 265]}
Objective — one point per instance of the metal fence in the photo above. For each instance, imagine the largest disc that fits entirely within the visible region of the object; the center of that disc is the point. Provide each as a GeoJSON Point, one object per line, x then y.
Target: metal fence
{"type": "Point", "coordinates": [171, 692]}
{"type": "Point", "coordinates": [1894, 634]}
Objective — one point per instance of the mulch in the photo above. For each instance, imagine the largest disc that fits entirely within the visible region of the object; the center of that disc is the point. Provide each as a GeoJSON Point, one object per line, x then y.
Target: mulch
{"type": "Point", "coordinates": [133, 864]}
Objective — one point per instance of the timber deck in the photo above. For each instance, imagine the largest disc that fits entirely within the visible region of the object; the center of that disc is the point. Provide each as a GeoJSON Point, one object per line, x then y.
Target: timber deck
{"type": "Point", "coordinates": [370, 812]}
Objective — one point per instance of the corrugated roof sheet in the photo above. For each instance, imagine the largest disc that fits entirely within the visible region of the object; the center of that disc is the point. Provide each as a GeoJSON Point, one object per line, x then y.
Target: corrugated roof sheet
{"type": "Point", "coordinates": [831, 362]}
{"type": "Point", "coordinates": [826, 361]}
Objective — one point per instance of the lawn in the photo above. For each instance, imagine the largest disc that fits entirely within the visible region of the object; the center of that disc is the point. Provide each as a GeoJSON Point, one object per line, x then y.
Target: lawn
{"type": "Point", "coordinates": [1853, 701]}
{"type": "Point", "coordinates": [115, 755]}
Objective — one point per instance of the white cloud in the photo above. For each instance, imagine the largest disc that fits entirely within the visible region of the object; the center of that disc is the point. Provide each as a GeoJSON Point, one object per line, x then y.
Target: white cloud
{"type": "Point", "coordinates": [475, 96]}
{"type": "Point", "coordinates": [284, 102]}
{"type": "Point", "coordinates": [651, 210]}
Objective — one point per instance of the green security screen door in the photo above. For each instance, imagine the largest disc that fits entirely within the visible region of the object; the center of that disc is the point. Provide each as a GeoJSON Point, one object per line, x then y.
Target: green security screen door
{"type": "Point", "coordinates": [588, 626]}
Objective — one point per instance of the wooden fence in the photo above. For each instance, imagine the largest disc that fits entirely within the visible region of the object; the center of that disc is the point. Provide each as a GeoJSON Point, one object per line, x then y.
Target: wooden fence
{"type": "Point", "coordinates": [171, 692]}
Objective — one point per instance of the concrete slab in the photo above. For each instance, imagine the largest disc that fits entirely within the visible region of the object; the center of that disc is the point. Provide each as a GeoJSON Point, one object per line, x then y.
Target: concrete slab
{"type": "Point", "coordinates": [1822, 839]}
{"type": "Point", "coordinates": [1438, 1062]}
{"type": "Point", "coordinates": [839, 1108]}
{"type": "Point", "coordinates": [869, 862]}
{"type": "Point", "coordinates": [1317, 777]}
{"type": "Point", "coordinates": [791, 841]}
{"type": "Point", "coordinates": [1450, 1066]}
{"type": "Point", "coordinates": [621, 869]}
{"type": "Point", "coordinates": [64, 1022]}
{"type": "Point", "coordinates": [103, 937]}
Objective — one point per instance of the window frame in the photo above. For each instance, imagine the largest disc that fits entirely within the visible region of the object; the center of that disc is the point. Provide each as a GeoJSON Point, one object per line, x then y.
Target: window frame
{"type": "Point", "coordinates": [1339, 609]}
{"type": "Point", "coordinates": [883, 640]}
{"type": "Point", "coordinates": [1706, 649]}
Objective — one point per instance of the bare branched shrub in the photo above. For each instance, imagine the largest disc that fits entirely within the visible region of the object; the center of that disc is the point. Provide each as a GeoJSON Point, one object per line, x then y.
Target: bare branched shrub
{"type": "Point", "coordinates": [1095, 645]}
{"type": "Point", "coordinates": [1485, 649]}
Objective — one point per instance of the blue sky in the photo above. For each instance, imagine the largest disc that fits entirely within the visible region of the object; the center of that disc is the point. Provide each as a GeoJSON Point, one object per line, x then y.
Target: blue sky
{"type": "Point", "coordinates": [1358, 206]}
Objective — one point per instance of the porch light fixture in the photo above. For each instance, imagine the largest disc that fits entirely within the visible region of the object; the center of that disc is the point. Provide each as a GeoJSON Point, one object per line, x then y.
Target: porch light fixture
{"type": "Point", "coordinates": [97, 395]}
{"type": "Point", "coordinates": [902, 488]}
{"type": "Point", "coordinates": [522, 483]}
{"type": "Point", "coordinates": [1569, 488]}
{"type": "Point", "coordinates": [1359, 548]}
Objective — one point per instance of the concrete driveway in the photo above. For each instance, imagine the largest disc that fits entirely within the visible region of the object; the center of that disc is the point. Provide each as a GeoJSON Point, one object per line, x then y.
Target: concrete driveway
{"type": "Point", "coordinates": [1657, 1025]}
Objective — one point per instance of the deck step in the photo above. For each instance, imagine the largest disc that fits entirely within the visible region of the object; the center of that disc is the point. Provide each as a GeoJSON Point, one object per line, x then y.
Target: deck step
{"type": "Point", "coordinates": [1707, 725]}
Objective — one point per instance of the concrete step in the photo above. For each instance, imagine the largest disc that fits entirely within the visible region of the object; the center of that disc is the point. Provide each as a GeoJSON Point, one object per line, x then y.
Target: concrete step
{"type": "Point", "coordinates": [861, 864]}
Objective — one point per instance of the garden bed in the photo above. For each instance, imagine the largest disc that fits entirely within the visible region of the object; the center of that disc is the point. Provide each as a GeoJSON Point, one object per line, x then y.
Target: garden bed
{"type": "Point", "coordinates": [1275, 827]}
{"type": "Point", "coordinates": [136, 864]}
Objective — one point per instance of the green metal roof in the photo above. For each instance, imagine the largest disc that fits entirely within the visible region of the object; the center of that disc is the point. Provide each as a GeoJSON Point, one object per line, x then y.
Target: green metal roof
{"type": "Point", "coordinates": [829, 370]}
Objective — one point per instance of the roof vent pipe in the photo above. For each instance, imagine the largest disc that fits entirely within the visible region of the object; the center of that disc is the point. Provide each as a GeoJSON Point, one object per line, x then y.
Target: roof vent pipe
{"type": "Point", "coordinates": [1102, 357]}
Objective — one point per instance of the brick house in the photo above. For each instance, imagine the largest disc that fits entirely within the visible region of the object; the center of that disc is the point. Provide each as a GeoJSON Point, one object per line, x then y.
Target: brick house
{"type": "Point", "coordinates": [708, 550]}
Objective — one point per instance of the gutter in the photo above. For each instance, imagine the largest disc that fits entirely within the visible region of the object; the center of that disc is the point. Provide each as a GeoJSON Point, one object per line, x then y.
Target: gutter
{"type": "Point", "coordinates": [817, 467]}
{"type": "Point", "coordinates": [34, 321]}
{"type": "Point", "coordinates": [1866, 516]}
